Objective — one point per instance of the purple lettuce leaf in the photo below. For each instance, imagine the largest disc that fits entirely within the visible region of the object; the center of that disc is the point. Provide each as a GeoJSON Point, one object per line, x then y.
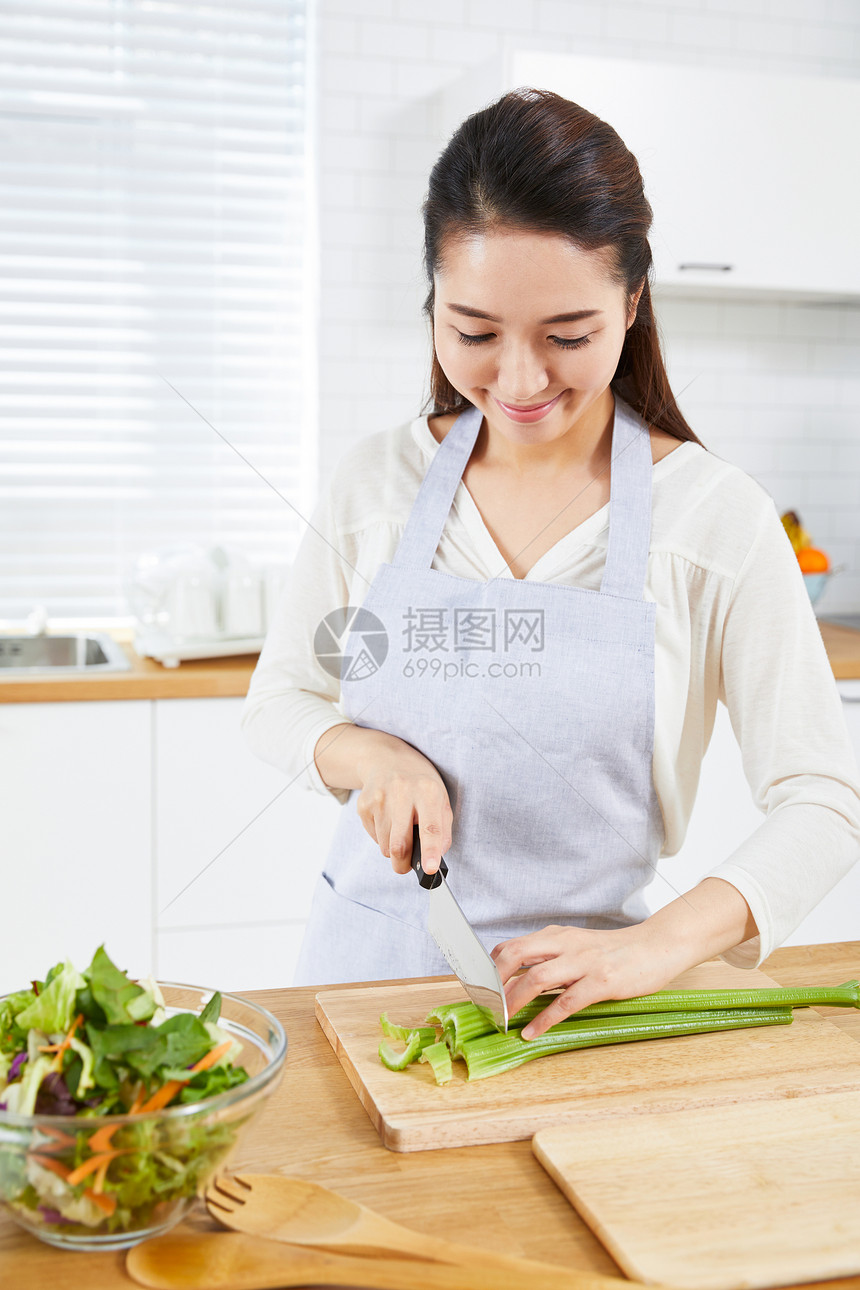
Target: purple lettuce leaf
{"type": "Point", "coordinates": [54, 1097]}
{"type": "Point", "coordinates": [15, 1068]}
{"type": "Point", "coordinates": [52, 1215]}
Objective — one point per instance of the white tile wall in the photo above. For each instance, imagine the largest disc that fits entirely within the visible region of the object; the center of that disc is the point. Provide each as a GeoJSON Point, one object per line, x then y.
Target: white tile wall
{"type": "Point", "coordinates": [770, 386]}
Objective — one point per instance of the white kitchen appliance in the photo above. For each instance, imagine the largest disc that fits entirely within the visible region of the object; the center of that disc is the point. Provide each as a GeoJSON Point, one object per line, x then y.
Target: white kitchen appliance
{"type": "Point", "coordinates": [201, 602]}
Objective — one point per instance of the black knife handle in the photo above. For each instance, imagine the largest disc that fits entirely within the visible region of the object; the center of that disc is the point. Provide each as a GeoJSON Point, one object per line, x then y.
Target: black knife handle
{"type": "Point", "coordinates": [428, 880]}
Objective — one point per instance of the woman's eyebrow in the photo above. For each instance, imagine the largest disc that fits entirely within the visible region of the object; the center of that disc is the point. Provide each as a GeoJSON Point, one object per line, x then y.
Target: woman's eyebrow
{"type": "Point", "coordinates": [557, 318]}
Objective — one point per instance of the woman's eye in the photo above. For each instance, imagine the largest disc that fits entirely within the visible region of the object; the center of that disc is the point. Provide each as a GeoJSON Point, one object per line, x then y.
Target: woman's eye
{"type": "Point", "coordinates": [563, 343]}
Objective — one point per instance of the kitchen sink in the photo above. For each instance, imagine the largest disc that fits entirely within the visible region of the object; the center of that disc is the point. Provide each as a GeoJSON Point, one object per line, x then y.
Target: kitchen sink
{"type": "Point", "coordinates": [88, 652]}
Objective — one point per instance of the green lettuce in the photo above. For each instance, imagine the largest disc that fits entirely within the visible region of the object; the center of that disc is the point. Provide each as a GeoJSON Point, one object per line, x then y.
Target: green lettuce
{"type": "Point", "coordinates": [20, 1097]}
{"type": "Point", "coordinates": [120, 999]}
{"type": "Point", "coordinates": [53, 1010]}
{"type": "Point", "coordinates": [85, 1079]}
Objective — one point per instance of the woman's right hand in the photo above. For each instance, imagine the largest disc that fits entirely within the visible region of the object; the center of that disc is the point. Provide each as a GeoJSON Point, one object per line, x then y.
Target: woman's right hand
{"type": "Point", "coordinates": [401, 788]}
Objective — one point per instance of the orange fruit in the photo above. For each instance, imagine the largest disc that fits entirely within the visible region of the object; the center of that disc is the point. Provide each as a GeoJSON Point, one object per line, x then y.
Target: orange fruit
{"type": "Point", "coordinates": [812, 560]}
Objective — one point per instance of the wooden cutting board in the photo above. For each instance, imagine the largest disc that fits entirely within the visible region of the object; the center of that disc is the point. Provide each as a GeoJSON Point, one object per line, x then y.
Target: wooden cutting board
{"type": "Point", "coordinates": [755, 1194]}
{"type": "Point", "coordinates": [411, 1113]}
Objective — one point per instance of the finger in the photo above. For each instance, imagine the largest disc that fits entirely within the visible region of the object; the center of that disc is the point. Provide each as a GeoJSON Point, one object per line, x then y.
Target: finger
{"type": "Point", "coordinates": [543, 978]}
{"type": "Point", "coordinates": [434, 842]}
{"type": "Point", "coordinates": [523, 951]}
{"type": "Point", "coordinates": [400, 848]}
{"type": "Point", "coordinates": [381, 829]}
{"type": "Point", "coordinates": [577, 996]}
{"type": "Point", "coordinates": [559, 1010]}
{"type": "Point", "coordinates": [370, 826]}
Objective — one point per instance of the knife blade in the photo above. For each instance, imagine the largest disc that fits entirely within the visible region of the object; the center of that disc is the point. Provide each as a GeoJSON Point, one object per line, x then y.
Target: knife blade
{"type": "Point", "coordinates": [458, 943]}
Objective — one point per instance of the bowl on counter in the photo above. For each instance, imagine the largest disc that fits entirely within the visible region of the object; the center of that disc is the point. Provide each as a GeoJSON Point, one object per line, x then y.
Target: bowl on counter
{"type": "Point", "coordinates": [816, 583]}
{"type": "Point", "coordinates": [162, 1159]}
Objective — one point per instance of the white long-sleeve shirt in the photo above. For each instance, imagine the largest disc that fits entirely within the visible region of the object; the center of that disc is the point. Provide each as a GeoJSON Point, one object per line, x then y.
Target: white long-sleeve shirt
{"type": "Point", "coordinates": [734, 624]}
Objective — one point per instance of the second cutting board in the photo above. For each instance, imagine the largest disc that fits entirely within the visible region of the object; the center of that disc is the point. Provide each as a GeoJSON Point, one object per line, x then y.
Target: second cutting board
{"type": "Point", "coordinates": [412, 1114]}
{"type": "Point", "coordinates": [725, 1198]}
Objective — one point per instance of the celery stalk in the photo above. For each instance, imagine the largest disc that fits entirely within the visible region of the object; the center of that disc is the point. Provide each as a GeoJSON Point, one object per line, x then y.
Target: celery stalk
{"type": "Point", "coordinates": [493, 1054]}
{"type": "Point", "coordinates": [840, 996]}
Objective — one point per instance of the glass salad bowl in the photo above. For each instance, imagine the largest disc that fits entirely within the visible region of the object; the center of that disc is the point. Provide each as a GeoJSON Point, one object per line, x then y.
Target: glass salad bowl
{"type": "Point", "coordinates": [153, 1165]}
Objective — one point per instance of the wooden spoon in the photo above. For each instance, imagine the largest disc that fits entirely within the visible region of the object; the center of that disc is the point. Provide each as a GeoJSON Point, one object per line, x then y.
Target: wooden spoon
{"type": "Point", "coordinates": [230, 1261]}
{"type": "Point", "coordinates": [305, 1213]}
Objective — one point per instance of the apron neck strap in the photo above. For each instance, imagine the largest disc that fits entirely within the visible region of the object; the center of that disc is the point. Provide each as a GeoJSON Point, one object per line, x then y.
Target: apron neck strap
{"type": "Point", "coordinates": [423, 531]}
{"type": "Point", "coordinates": [629, 506]}
{"type": "Point", "coordinates": [629, 501]}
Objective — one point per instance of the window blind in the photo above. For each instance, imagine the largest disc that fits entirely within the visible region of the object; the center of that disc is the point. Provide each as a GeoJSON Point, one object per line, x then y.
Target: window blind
{"type": "Point", "coordinates": [154, 233]}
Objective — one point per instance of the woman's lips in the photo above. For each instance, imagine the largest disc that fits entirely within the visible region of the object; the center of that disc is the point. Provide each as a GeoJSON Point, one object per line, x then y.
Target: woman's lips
{"type": "Point", "coordinates": [533, 413]}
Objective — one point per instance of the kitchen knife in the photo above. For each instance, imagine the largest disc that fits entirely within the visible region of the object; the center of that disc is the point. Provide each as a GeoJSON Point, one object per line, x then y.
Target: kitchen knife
{"type": "Point", "coordinates": [466, 956]}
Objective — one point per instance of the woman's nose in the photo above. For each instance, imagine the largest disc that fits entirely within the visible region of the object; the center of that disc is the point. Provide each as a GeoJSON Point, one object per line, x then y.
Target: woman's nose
{"type": "Point", "coordinates": [521, 375]}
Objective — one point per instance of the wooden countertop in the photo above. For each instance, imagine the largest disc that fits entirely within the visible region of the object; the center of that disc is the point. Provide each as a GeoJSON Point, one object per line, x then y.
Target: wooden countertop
{"type": "Point", "coordinates": [224, 677]}
{"type": "Point", "coordinates": [843, 649]}
{"type": "Point", "coordinates": [197, 679]}
{"type": "Point", "coordinates": [315, 1127]}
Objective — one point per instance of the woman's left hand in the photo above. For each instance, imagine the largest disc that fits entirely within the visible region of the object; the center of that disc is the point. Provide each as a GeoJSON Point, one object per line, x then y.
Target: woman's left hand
{"type": "Point", "coordinates": [590, 965]}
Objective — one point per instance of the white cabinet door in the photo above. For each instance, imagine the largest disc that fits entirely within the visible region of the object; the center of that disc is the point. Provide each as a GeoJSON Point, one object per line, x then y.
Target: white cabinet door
{"type": "Point", "coordinates": [724, 816]}
{"type": "Point", "coordinates": [738, 166]}
{"type": "Point", "coordinates": [238, 851]}
{"type": "Point", "coordinates": [76, 850]}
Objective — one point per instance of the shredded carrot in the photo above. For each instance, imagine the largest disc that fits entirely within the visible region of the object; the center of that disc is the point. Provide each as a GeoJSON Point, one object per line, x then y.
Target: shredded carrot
{"type": "Point", "coordinates": [60, 1139]}
{"type": "Point", "coordinates": [101, 1174]}
{"type": "Point", "coordinates": [60, 1048]}
{"type": "Point", "coordinates": [55, 1166]}
{"type": "Point", "coordinates": [169, 1090]}
{"type": "Point", "coordinates": [105, 1202]}
{"type": "Point", "coordinates": [212, 1057]}
{"type": "Point", "coordinates": [163, 1095]}
{"type": "Point", "coordinates": [101, 1139]}
{"type": "Point", "coordinates": [90, 1166]}
{"type": "Point", "coordinates": [139, 1099]}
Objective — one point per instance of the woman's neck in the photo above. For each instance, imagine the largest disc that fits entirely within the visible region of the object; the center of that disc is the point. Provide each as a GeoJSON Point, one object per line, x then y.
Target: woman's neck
{"type": "Point", "coordinates": [583, 449]}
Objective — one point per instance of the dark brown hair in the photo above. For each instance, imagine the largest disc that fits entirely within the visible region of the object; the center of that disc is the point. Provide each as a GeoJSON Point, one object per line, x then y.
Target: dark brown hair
{"type": "Point", "coordinates": [534, 160]}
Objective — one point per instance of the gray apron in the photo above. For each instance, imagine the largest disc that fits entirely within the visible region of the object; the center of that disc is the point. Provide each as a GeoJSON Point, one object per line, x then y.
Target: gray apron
{"type": "Point", "coordinates": [535, 702]}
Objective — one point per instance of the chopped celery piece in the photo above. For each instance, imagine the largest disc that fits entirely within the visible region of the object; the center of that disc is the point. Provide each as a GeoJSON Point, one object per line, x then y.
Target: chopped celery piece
{"type": "Point", "coordinates": [494, 1054]}
{"type": "Point", "coordinates": [438, 1058]}
{"type": "Point", "coordinates": [391, 1031]}
{"type": "Point", "coordinates": [399, 1061]}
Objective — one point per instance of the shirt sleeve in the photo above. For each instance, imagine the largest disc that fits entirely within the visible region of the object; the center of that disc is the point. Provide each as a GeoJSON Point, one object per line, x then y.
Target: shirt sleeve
{"type": "Point", "coordinates": [292, 699]}
{"type": "Point", "coordinates": [786, 714]}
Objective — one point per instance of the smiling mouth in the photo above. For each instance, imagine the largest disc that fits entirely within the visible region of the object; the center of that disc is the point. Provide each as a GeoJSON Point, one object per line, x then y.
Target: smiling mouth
{"type": "Point", "coordinates": [529, 407]}
{"type": "Point", "coordinates": [530, 412]}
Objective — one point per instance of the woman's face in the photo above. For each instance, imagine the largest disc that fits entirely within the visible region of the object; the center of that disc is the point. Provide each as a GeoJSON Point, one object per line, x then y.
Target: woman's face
{"type": "Point", "coordinates": [529, 328]}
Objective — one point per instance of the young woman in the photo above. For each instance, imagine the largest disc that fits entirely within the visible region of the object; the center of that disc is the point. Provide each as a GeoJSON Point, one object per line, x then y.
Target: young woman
{"type": "Point", "coordinates": [566, 582]}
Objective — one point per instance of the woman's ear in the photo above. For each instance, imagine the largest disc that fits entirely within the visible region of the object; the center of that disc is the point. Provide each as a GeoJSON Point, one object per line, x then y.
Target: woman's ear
{"type": "Point", "coordinates": [633, 304]}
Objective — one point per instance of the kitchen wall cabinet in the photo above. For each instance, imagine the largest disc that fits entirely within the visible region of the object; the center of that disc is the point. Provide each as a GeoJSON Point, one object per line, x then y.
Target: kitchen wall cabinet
{"type": "Point", "coordinates": [750, 175]}
{"type": "Point", "coordinates": [76, 835]}
{"type": "Point", "coordinates": [724, 816]}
